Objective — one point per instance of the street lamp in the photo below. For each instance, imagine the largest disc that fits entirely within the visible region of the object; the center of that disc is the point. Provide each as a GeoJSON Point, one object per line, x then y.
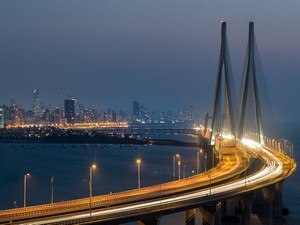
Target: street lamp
{"type": "Point", "coordinates": [179, 165]}
{"type": "Point", "coordinates": [25, 187]}
{"type": "Point", "coordinates": [174, 165]}
{"type": "Point", "coordinates": [92, 167]}
{"type": "Point", "coordinates": [209, 175]}
{"type": "Point", "coordinates": [52, 189]}
{"type": "Point", "coordinates": [205, 161]}
{"type": "Point", "coordinates": [138, 162]}
{"type": "Point", "coordinates": [193, 172]}
{"type": "Point", "coordinates": [198, 161]}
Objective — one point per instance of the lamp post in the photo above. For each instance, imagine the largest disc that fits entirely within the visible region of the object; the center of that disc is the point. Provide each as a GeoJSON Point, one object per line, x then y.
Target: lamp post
{"type": "Point", "coordinates": [138, 162]}
{"type": "Point", "coordinates": [198, 161]}
{"type": "Point", "coordinates": [174, 165]}
{"type": "Point", "coordinates": [209, 182]}
{"type": "Point", "coordinates": [193, 172]}
{"type": "Point", "coordinates": [52, 189]}
{"type": "Point", "coordinates": [179, 165]}
{"type": "Point", "coordinates": [205, 161]}
{"type": "Point", "coordinates": [92, 167]}
{"type": "Point", "coordinates": [25, 188]}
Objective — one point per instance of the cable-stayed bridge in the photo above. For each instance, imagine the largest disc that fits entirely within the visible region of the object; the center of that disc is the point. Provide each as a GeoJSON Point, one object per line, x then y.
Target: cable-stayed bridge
{"type": "Point", "coordinates": [247, 178]}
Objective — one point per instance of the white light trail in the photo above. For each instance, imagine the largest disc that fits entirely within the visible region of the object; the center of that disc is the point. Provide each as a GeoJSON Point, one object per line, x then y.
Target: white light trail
{"type": "Point", "coordinates": [273, 169]}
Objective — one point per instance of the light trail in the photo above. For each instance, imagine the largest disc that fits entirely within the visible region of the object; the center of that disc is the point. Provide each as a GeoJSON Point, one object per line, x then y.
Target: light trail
{"type": "Point", "coordinates": [273, 169]}
{"type": "Point", "coordinates": [231, 165]}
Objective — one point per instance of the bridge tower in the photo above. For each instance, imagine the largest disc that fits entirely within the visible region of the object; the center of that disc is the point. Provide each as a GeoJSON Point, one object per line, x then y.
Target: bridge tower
{"type": "Point", "coordinates": [223, 111]}
{"type": "Point", "coordinates": [249, 91]}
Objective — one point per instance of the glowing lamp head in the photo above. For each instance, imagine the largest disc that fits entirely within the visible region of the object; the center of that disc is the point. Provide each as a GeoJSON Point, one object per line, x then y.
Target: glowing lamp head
{"type": "Point", "coordinates": [94, 166]}
{"type": "Point", "coordinates": [138, 161]}
{"type": "Point", "coordinates": [27, 174]}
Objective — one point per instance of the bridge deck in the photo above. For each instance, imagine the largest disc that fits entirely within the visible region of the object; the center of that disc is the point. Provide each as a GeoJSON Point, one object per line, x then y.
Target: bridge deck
{"type": "Point", "coordinates": [233, 163]}
{"type": "Point", "coordinates": [204, 188]}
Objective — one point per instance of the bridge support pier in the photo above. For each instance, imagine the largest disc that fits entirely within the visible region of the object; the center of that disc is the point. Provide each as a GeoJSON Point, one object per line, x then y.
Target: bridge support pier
{"type": "Point", "coordinates": [278, 203]}
{"type": "Point", "coordinates": [211, 214]}
{"type": "Point", "coordinates": [193, 217]}
{"type": "Point", "coordinates": [246, 202]}
{"type": "Point", "coordinates": [149, 221]}
{"type": "Point", "coordinates": [268, 194]}
{"type": "Point", "coordinates": [230, 206]}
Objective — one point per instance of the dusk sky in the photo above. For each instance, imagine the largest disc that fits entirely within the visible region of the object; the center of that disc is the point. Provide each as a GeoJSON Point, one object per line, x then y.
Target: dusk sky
{"type": "Point", "coordinates": [162, 53]}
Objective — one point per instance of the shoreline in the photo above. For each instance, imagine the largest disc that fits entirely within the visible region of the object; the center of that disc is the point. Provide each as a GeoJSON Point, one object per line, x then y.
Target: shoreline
{"type": "Point", "coordinates": [100, 140]}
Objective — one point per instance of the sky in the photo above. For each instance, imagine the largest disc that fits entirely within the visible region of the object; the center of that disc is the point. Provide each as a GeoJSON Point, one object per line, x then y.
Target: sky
{"type": "Point", "coordinates": [162, 53]}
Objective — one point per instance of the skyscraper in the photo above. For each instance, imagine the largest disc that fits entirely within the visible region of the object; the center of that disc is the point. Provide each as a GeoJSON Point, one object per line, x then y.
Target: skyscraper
{"type": "Point", "coordinates": [58, 115]}
{"type": "Point", "coordinates": [70, 111]}
{"type": "Point", "coordinates": [36, 104]}
{"type": "Point", "coordinates": [1, 118]}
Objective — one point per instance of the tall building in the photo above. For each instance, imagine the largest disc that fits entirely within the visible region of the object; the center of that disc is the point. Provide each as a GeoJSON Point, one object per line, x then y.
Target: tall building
{"type": "Point", "coordinates": [15, 114]}
{"type": "Point", "coordinates": [1, 118]}
{"type": "Point", "coordinates": [58, 115]}
{"type": "Point", "coordinates": [29, 116]}
{"type": "Point", "coordinates": [70, 110]}
{"type": "Point", "coordinates": [36, 104]}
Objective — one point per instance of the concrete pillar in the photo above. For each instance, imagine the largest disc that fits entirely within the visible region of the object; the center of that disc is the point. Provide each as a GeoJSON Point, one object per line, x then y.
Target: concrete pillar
{"type": "Point", "coordinates": [230, 206]}
{"type": "Point", "coordinates": [268, 194]}
{"type": "Point", "coordinates": [246, 202]}
{"type": "Point", "coordinates": [149, 221]}
{"type": "Point", "coordinates": [211, 214]}
{"type": "Point", "coordinates": [190, 217]}
{"type": "Point", "coordinates": [193, 217]}
{"type": "Point", "coordinates": [278, 203]}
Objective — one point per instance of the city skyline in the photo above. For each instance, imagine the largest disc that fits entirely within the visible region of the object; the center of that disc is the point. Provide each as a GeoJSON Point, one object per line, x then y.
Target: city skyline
{"type": "Point", "coordinates": [111, 53]}
{"type": "Point", "coordinates": [73, 111]}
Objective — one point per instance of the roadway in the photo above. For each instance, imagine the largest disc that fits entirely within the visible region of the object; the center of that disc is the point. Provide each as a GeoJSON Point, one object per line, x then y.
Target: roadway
{"type": "Point", "coordinates": [233, 163]}
{"type": "Point", "coordinates": [219, 183]}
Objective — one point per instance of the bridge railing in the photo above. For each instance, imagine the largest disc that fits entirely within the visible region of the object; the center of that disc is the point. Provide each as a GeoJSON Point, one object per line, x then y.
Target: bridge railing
{"type": "Point", "coordinates": [283, 145]}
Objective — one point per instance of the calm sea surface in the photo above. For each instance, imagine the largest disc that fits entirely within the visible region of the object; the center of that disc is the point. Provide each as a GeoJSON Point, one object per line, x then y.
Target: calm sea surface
{"type": "Point", "coordinates": [116, 169]}
{"type": "Point", "coordinates": [69, 165]}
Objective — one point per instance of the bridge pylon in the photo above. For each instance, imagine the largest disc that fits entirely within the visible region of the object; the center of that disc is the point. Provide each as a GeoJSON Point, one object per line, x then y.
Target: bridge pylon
{"type": "Point", "coordinates": [223, 111]}
{"type": "Point", "coordinates": [249, 91]}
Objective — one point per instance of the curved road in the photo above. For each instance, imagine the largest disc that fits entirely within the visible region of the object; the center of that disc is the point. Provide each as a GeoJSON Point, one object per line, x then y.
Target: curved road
{"type": "Point", "coordinates": [219, 183]}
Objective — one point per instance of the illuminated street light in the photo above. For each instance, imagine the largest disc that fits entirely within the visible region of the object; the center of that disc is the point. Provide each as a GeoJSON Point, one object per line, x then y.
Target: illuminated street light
{"type": "Point", "coordinates": [205, 162]}
{"type": "Point", "coordinates": [25, 187]}
{"type": "Point", "coordinates": [138, 162]}
{"type": "Point", "coordinates": [174, 165]}
{"type": "Point", "coordinates": [198, 161]}
{"type": "Point", "coordinates": [92, 167]}
{"type": "Point", "coordinates": [179, 165]}
{"type": "Point", "coordinates": [193, 172]}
